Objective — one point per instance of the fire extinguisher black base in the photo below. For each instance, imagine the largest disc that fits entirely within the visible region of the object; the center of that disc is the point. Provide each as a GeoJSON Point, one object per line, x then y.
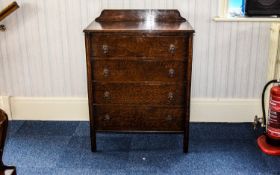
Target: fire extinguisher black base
{"type": "Point", "coordinates": [267, 148]}
{"type": "Point", "coordinates": [272, 142]}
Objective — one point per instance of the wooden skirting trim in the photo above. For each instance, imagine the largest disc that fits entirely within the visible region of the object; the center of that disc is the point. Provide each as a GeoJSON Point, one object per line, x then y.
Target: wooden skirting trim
{"type": "Point", "coordinates": [76, 109]}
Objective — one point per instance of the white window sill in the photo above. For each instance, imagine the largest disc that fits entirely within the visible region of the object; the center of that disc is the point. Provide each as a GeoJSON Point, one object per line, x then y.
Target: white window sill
{"type": "Point", "coordinates": [246, 19]}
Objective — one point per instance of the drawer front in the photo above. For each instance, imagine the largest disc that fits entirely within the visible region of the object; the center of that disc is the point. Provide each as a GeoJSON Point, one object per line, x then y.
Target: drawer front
{"type": "Point", "coordinates": [136, 46]}
{"type": "Point", "coordinates": [146, 70]}
{"type": "Point", "coordinates": [139, 93]}
{"type": "Point", "coordinates": [138, 118]}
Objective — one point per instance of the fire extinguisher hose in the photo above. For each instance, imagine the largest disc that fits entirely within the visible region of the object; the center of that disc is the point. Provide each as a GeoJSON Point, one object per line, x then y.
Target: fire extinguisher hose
{"type": "Point", "coordinates": [263, 96]}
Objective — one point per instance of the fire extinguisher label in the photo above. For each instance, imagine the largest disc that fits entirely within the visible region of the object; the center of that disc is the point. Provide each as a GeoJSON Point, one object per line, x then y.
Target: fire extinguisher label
{"type": "Point", "coordinates": [273, 125]}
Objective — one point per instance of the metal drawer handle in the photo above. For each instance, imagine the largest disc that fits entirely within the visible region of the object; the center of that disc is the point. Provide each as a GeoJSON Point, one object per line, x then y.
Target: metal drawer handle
{"type": "Point", "coordinates": [106, 94]}
{"type": "Point", "coordinates": [106, 72]}
{"type": "Point", "coordinates": [105, 49]}
{"type": "Point", "coordinates": [171, 73]}
{"type": "Point", "coordinates": [107, 117]}
{"type": "Point", "coordinates": [169, 118]}
{"type": "Point", "coordinates": [170, 96]}
{"type": "Point", "coordinates": [172, 48]}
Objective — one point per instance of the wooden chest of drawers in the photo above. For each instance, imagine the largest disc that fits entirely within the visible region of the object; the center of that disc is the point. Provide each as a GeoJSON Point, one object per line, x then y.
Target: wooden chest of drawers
{"type": "Point", "coordinates": [139, 66]}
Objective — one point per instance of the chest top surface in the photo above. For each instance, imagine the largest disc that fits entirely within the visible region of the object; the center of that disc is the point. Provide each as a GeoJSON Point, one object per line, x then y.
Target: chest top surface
{"type": "Point", "coordinates": [151, 21]}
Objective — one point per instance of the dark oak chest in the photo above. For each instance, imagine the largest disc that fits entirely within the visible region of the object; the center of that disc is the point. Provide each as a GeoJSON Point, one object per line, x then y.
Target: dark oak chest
{"type": "Point", "coordinates": [139, 65]}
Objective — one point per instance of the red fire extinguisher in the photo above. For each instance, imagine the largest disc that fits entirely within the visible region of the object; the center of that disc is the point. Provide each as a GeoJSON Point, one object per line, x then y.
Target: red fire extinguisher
{"type": "Point", "coordinates": [273, 124]}
{"type": "Point", "coordinates": [269, 142]}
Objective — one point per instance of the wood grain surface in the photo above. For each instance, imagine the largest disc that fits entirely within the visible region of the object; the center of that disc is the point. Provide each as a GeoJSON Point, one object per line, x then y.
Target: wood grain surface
{"type": "Point", "coordinates": [138, 118]}
{"type": "Point", "coordinates": [157, 93]}
{"type": "Point", "coordinates": [141, 70]}
{"type": "Point", "coordinates": [131, 46]}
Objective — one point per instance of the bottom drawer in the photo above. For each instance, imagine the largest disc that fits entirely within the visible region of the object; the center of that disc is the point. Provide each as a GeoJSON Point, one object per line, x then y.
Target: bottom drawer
{"type": "Point", "coordinates": [138, 118]}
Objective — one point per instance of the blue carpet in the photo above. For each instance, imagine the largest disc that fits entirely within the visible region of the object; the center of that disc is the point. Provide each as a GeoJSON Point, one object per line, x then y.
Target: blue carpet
{"type": "Point", "coordinates": [63, 148]}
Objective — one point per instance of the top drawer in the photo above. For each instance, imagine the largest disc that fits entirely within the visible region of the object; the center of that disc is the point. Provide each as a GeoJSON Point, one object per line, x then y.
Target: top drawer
{"type": "Point", "coordinates": [136, 46]}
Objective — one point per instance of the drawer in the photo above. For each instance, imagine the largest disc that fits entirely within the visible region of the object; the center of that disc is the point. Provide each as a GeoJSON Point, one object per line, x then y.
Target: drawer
{"type": "Point", "coordinates": [139, 93]}
{"type": "Point", "coordinates": [137, 46]}
{"type": "Point", "coordinates": [138, 118]}
{"type": "Point", "coordinates": [145, 70]}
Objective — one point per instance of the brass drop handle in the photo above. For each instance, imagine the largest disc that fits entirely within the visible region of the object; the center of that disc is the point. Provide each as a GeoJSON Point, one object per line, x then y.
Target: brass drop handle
{"type": "Point", "coordinates": [105, 49]}
{"type": "Point", "coordinates": [172, 48]}
{"type": "Point", "coordinates": [106, 94]}
{"type": "Point", "coordinates": [106, 72]}
{"type": "Point", "coordinates": [171, 73]}
{"type": "Point", "coordinates": [170, 96]}
{"type": "Point", "coordinates": [107, 117]}
{"type": "Point", "coordinates": [169, 117]}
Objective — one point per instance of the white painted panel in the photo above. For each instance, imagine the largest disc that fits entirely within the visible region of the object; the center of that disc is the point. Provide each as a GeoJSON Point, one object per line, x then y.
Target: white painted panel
{"type": "Point", "coordinates": [224, 60]}
{"type": "Point", "coordinates": [241, 48]}
{"type": "Point", "coordinates": [253, 59]}
{"type": "Point", "coordinates": [232, 60]}
{"type": "Point", "coordinates": [212, 47]}
{"type": "Point", "coordinates": [42, 53]}
{"type": "Point", "coordinates": [44, 46]}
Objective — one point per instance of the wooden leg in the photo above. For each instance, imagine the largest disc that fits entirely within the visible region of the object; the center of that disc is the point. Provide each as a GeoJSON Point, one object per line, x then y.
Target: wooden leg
{"type": "Point", "coordinates": [3, 133]}
{"type": "Point", "coordinates": [15, 172]}
{"type": "Point", "coordinates": [93, 141]}
{"type": "Point", "coordinates": [186, 139]}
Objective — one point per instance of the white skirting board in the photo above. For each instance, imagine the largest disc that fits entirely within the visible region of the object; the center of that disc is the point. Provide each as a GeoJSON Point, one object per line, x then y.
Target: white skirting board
{"type": "Point", "coordinates": [76, 109]}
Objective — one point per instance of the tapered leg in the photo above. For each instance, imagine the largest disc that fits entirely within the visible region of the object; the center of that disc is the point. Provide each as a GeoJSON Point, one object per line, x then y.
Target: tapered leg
{"type": "Point", "coordinates": [188, 93]}
{"type": "Point", "coordinates": [186, 139]}
{"type": "Point", "coordinates": [15, 172]}
{"type": "Point", "coordinates": [93, 141]}
{"type": "Point", "coordinates": [3, 134]}
{"type": "Point", "coordinates": [90, 92]}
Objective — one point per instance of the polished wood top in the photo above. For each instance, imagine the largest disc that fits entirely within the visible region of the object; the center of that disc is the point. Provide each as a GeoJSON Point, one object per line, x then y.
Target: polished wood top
{"type": "Point", "coordinates": [140, 15]}
{"type": "Point", "coordinates": [140, 20]}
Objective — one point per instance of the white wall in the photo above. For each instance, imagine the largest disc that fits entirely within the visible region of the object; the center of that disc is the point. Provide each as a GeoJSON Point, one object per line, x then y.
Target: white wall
{"type": "Point", "coordinates": [42, 52]}
{"type": "Point", "coordinates": [42, 55]}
